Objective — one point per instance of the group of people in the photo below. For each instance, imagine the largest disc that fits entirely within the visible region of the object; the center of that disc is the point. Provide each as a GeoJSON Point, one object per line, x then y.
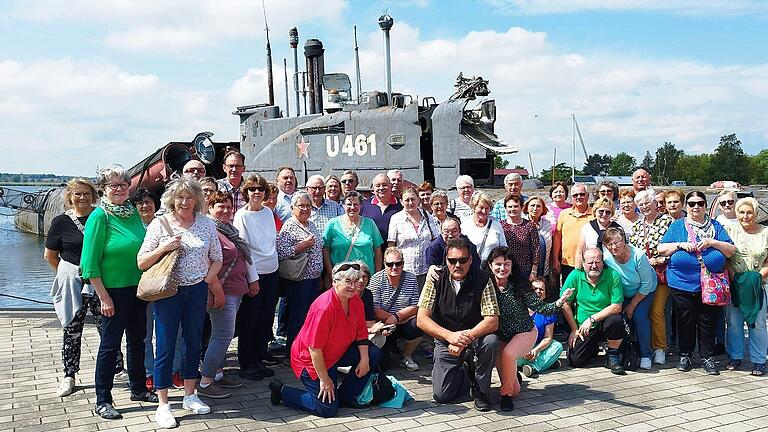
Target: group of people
{"type": "Point", "coordinates": [354, 280]}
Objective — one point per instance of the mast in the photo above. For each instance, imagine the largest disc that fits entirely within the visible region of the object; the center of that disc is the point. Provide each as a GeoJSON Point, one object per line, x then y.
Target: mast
{"type": "Point", "coordinates": [287, 104]}
{"type": "Point", "coordinates": [293, 40]}
{"type": "Point", "coordinates": [573, 147]}
{"type": "Point", "coordinates": [385, 23]}
{"type": "Point", "coordinates": [270, 86]}
{"type": "Point", "coordinates": [357, 67]}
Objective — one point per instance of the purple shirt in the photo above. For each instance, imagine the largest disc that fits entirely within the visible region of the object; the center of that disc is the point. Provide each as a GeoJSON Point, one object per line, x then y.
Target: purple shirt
{"type": "Point", "coordinates": [371, 210]}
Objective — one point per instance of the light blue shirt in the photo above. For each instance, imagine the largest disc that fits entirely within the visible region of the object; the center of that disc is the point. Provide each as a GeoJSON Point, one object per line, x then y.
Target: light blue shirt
{"type": "Point", "coordinates": [637, 275]}
{"type": "Point", "coordinates": [283, 206]}
{"type": "Point", "coordinates": [498, 211]}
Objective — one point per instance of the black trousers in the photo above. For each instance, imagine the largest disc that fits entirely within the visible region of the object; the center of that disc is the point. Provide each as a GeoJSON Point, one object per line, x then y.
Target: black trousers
{"type": "Point", "coordinates": [611, 328]}
{"type": "Point", "coordinates": [695, 320]}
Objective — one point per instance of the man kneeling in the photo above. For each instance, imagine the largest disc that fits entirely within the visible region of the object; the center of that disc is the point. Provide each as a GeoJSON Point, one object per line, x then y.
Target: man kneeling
{"type": "Point", "coordinates": [598, 297]}
{"type": "Point", "coordinates": [460, 311]}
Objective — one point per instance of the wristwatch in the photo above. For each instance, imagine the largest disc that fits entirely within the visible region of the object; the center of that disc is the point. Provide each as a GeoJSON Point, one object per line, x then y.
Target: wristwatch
{"type": "Point", "coordinates": [591, 319]}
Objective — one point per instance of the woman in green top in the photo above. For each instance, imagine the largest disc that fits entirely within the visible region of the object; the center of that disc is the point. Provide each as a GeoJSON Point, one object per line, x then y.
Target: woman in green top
{"type": "Point", "coordinates": [517, 332]}
{"type": "Point", "coordinates": [113, 235]}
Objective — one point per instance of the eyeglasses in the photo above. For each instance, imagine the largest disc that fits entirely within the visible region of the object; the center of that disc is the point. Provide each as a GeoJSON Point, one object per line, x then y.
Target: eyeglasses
{"type": "Point", "coordinates": [303, 206]}
{"type": "Point", "coordinates": [614, 245]}
{"type": "Point", "coordinates": [696, 203]}
{"type": "Point", "coordinates": [315, 188]}
{"type": "Point", "coordinates": [347, 181]}
{"type": "Point", "coordinates": [393, 264]}
{"type": "Point", "coordinates": [118, 186]}
{"type": "Point", "coordinates": [579, 194]}
{"type": "Point", "coordinates": [195, 170]}
{"type": "Point", "coordinates": [231, 167]}
{"type": "Point", "coordinates": [603, 212]}
{"type": "Point", "coordinates": [81, 194]}
{"type": "Point", "coordinates": [457, 261]}
{"type": "Point", "coordinates": [605, 192]}
{"type": "Point", "coordinates": [726, 202]}
{"type": "Point", "coordinates": [255, 189]}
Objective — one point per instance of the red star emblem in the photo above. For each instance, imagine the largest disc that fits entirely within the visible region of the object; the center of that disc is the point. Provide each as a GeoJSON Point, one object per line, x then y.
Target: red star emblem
{"type": "Point", "coordinates": [302, 148]}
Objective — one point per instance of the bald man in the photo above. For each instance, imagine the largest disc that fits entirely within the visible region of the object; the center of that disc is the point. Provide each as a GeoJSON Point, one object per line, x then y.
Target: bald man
{"type": "Point", "coordinates": [641, 179]}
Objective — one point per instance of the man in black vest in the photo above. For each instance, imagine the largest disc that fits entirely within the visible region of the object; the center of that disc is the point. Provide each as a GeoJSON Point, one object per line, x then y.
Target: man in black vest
{"type": "Point", "coordinates": [460, 311]}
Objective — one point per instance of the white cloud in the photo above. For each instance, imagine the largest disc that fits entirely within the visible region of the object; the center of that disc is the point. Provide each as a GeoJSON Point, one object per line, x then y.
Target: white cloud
{"type": "Point", "coordinates": [178, 26]}
{"type": "Point", "coordinates": [682, 7]}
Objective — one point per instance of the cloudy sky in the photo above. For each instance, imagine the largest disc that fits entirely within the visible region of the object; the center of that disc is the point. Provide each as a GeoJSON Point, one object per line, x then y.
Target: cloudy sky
{"type": "Point", "coordinates": [85, 83]}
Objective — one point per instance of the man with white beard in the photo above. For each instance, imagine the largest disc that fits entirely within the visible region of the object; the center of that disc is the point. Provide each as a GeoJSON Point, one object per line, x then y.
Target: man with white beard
{"type": "Point", "coordinates": [599, 294]}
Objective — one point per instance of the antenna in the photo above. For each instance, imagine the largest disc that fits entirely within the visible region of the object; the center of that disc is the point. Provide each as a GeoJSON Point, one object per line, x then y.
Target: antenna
{"type": "Point", "coordinates": [270, 86]}
{"type": "Point", "coordinates": [293, 40]}
{"type": "Point", "coordinates": [385, 24]}
{"type": "Point", "coordinates": [357, 67]}
{"type": "Point", "coordinates": [287, 104]}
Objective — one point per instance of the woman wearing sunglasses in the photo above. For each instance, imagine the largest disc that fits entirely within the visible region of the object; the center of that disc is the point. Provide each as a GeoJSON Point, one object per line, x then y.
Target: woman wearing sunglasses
{"type": "Point", "coordinates": [592, 231]}
{"type": "Point", "coordinates": [334, 334]}
{"type": "Point", "coordinates": [696, 321]}
{"type": "Point", "coordinates": [726, 200]}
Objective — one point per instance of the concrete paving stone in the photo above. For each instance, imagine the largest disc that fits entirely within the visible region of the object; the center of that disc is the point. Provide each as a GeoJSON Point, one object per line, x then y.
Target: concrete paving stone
{"type": "Point", "coordinates": [437, 418]}
{"type": "Point", "coordinates": [505, 424]}
{"type": "Point", "coordinates": [53, 426]}
{"type": "Point", "coordinates": [603, 425]}
{"type": "Point", "coordinates": [365, 429]}
{"type": "Point", "coordinates": [568, 421]}
{"type": "Point", "coordinates": [465, 422]}
{"type": "Point", "coordinates": [699, 425]}
{"type": "Point", "coordinates": [635, 418]}
{"type": "Point", "coordinates": [398, 425]}
{"type": "Point", "coordinates": [435, 427]}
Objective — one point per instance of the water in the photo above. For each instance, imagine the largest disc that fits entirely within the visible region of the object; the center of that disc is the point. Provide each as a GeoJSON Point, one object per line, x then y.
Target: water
{"type": "Point", "coordinates": [23, 272]}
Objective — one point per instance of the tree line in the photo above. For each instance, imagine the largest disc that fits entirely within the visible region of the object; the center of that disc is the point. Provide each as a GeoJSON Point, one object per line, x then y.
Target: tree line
{"type": "Point", "coordinates": [668, 164]}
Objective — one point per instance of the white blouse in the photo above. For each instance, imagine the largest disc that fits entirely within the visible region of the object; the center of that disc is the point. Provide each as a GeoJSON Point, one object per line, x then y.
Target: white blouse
{"type": "Point", "coordinates": [476, 234]}
{"type": "Point", "coordinates": [258, 229]}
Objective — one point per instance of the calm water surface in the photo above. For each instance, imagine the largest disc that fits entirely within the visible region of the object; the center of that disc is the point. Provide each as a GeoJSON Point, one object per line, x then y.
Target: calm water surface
{"type": "Point", "coordinates": [23, 272]}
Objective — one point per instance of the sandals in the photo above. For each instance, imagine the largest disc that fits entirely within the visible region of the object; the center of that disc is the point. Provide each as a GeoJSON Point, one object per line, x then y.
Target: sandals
{"type": "Point", "coordinates": [147, 396]}
{"type": "Point", "coordinates": [734, 365]}
{"type": "Point", "coordinates": [107, 411]}
{"type": "Point", "coordinates": [758, 369]}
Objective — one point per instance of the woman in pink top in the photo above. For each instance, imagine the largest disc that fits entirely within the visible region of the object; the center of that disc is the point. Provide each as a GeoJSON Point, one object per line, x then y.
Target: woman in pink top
{"type": "Point", "coordinates": [559, 194]}
{"type": "Point", "coordinates": [334, 334]}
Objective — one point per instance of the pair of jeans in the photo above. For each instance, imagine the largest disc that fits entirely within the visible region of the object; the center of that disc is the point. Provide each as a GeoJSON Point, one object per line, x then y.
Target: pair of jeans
{"type": "Point", "coordinates": [299, 296]}
{"type": "Point", "coordinates": [222, 332]}
{"type": "Point", "coordinates": [350, 388]}
{"type": "Point", "coordinates": [185, 309]}
{"type": "Point", "coordinates": [546, 358]}
{"type": "Point", "coordinates": [696, 321]}
{"type": "Point", "coordinates": [642, 323]}
{"type": "Point", "coordinates": [254, 321]}
{"type": "Point", "coordinates": [758, 335]}
{"type": "Point", "coordinates": [658, 318]}
{"type": "Point", "coordinates": [129, 318]}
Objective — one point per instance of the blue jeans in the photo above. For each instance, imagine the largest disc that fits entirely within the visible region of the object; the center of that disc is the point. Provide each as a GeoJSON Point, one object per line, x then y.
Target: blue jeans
{"type": "Point", "coordinates": [350, 388]}
{"type": "Point", "coordinates": [642, 324]}
{"type": "Point", "coordinates": [186, 308]}
{"type": "Point", "coordinates": [254, 321]}
{"type": "Point", "coordinates": [149, 348]}
{"type": "Point", "coordinates": [222, 332]}
{"type": "Point", "coordinates": [299, 296]}
{"type": "Point", "coordinates": [758, 336]}
{"type": "Point", "coordinates": [129, 318]}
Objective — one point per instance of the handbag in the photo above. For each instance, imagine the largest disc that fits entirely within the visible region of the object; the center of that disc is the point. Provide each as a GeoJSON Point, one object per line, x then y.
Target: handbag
{"type": "Point", "coordinates": [161, 280]}
{"type": "Point", "coordinates": [715, 286]}
{"type": "Point", "coordinates": [293, 268]}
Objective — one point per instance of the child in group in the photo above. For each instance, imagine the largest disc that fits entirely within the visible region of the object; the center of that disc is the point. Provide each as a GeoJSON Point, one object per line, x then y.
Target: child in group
{"type": "Point", "coordinates": [546, 351]}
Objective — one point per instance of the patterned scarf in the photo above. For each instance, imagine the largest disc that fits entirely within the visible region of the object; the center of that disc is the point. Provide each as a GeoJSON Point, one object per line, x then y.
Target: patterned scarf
{"type": "Point", "coordinates": [123, 211]}
{"type": "Point", "coordinates": [233, 235]}
{"type": "Point", "coordinates": [702, 230]}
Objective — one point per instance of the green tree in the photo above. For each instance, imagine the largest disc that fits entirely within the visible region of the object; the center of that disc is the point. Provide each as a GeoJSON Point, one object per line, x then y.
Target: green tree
{"type": "Point", "coordinates": [664, 168]}
{"type": "Point", "coordinates": [732, 163]}
{"type": "Point", "coordinates": [622, 165]}
{"type": "Point", "coordinates": [597, 164]}
{"type": "Point", "coordinates": [758, 168]}
{"type": "Point", "coordinates": [695, 169]}
{"type": "Point", "coordinates": [562, 173]}
{"type": "Point", "coordinates": [647, 162]}
{"type": "Point", "coordinates": [499, 162]}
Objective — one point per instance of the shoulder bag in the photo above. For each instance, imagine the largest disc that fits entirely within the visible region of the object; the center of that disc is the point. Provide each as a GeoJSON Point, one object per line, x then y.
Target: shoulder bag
{"type": "Point", "coordinates": [715, 286]}
{"type": "Point", "coordinates": [293, 268]}
{"type": "Point", "coordinates": [161, 280]}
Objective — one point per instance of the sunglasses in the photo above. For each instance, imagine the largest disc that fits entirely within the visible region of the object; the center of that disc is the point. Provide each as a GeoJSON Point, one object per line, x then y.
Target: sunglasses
{"type": "Point", "coordinates": [696, 203]}
{"type": "Point", "coordinates": [347, 266]}
{"type": "Point", "coordinates": [457, 261]}
{"type": "Point", "coordinates": [603, 212]}
{"type": "Point", "coordinates": [197, 170]}
{"type": "Point", "coordinates": [394, 264]}
{"type": "Point", "coordinates": [255, 189]}
{"type": "Point", "coordinates": [726, 202]}
{"type": "Point", "coordinates": [347, 181]}
{"type": "Point", "coordinates": [605, 192]}
{"type": "Point", "coordinates": [580, 194]}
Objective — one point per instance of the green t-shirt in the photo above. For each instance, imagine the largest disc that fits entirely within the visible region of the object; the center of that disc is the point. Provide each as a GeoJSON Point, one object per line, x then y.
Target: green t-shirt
{"type": "Point", "coordinates": [110, 248]}
{"type": "Point", "coordinates": [337, 240]}
{"type": "Point", "coordinates": [592, 299]}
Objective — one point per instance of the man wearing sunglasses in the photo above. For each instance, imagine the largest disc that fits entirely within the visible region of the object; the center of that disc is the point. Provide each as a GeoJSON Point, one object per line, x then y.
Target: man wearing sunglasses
{"type": "Point", "coordinates": [194, 168]}
{"type": "Point", "coordinates": [568, 233]}
{"type": "Point", "coordinates": [349, 182]}
{"type": "Point", "coordinates": [460, 311]}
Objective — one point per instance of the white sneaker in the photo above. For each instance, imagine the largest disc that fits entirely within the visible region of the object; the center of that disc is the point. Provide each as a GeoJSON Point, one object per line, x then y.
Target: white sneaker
{"type": "Point", "coordinates": [645, 363]}
{"type": "Point", "coordinates": [122, 376]}
{"type": "Point", "coordinates": [408, 363]}
{"type": "Point", "coordinates": [66, 387]}
{"type": "Point", "coordinates": [194, 404]}
{"type": "Point", "coordinates": [164, 417]}
{"type": "Point", "coordinates": [659, 357]}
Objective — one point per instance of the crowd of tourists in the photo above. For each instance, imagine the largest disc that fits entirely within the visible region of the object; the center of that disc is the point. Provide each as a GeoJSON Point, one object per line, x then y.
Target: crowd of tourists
{"type": "Point", "coordinates": [468, 284]}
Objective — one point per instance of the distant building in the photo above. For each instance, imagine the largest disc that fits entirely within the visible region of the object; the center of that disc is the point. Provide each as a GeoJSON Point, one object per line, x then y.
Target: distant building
{"type": "Point", "coordinates": [619, 180]}
{"type": "Point", "coordinates": [500, 173]}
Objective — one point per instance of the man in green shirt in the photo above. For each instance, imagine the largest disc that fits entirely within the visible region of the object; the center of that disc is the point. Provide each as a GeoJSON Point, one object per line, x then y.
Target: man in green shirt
{"type": "Point", "coordinates": [597, 298]}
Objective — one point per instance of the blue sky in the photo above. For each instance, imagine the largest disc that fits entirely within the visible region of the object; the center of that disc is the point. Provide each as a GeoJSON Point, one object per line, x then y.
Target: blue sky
{"type": "Point", "coordinates": [85, 83]}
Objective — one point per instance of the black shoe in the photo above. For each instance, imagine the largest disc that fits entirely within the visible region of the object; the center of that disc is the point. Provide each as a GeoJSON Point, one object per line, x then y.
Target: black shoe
{"type": "Point", "coordinates": [507, 404]}
{"type": "Point", "coordinates": [268, 359]}
{"type": "Point", "coordinates": [276, 348]}
{"type": "Point", "coordinates": [147, 396]}
{"type": "Point", "coordinates": [263, 370]}
{"type": "Point", "coordinates": [251, 374]}
{"type": "Point", "coordinates": [276, 392]}
{"type": "Point", "coordinates": [481, 402]}
{"type": "Point", "coordinates": [614, 364]}
{"type": "Point", "coordinates": [709, 365]}
{"type": "Point", "coordinates": [556, 365]}
{"type": "Point", "coordinates": [684, 364]}
{"type": "Point", "coordinates": [107, 411]}
{"type": "Point", "coordinates": [719, 349]}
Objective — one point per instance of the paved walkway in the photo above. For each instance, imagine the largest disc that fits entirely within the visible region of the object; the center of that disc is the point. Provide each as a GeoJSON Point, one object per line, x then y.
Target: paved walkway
{"type": "Point", "coordinates": [574, 400]}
